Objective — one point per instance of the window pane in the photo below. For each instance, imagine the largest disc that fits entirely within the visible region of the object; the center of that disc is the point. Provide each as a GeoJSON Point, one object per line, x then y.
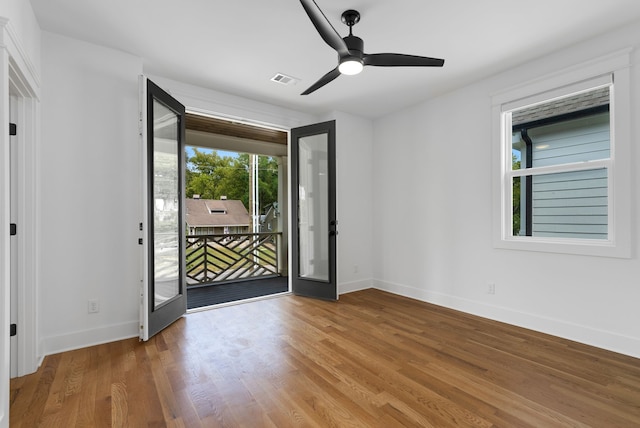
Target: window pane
{"type": "Point", "coordinates": [562, 131]}
{"type": "Point", "coordinates": [313, 196]}
{"type": "Point", "coordinates": [516, 159]}
{"type": "Point", "coordinates": [166, 225]}
{"type": "Point", "coordinates": [563, 205]}
{"type": "Point", "coordinates": [519, 210]}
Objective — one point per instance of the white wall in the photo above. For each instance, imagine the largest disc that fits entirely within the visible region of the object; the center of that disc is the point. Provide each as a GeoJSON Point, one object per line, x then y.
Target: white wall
{"type": "Point", "coordinates": [433, 217]}
{"type": "Point", "coordinates": [208, 101]}
{"type": "Point", "coordinates": [24, 26]}
{"type": "Point", "coordinates": [89, 194]}
{"type": "Point", "coordinates": [354, 170]}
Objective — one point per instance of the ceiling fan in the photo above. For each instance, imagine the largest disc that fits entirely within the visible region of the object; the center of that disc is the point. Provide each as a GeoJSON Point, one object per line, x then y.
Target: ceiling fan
{"type": "Point", "coordinates": [351, 56]}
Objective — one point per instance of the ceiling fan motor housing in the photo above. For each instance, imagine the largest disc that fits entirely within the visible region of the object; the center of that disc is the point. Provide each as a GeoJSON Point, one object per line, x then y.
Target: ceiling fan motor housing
{"type": "Point", "coordinates": [355, 45]}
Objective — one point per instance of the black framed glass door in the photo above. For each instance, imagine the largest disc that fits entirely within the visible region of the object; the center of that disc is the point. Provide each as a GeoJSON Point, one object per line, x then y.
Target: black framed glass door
{"type": "Point", "coordinates": [163, 291]}
{"type": "Point", "coordinates": [314, 231]}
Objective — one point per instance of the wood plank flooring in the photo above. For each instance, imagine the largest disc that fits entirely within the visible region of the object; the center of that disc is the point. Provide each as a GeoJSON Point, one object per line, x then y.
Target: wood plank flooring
{"type": "Point", "coordinates": [372, 359]}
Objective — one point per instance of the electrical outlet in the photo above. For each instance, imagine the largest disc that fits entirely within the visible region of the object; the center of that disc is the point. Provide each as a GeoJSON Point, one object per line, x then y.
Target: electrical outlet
{"type": "Point", "coordinates": [94, 306]}
{"type": "Point", "coordinates": [491, 288]}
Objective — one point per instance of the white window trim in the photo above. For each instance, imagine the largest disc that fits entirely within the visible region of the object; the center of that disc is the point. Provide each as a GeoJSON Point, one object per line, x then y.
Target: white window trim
{"type": "Point", "coordinates": [614, 67]}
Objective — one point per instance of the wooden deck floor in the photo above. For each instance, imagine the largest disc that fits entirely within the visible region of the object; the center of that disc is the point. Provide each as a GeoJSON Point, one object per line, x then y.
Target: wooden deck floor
{"type": "Point", "coordinates": [370, 360]}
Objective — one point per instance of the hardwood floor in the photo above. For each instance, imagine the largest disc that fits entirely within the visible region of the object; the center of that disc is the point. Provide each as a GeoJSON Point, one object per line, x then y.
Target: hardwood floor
{"type": "Point", "coordinates": [372, 359]}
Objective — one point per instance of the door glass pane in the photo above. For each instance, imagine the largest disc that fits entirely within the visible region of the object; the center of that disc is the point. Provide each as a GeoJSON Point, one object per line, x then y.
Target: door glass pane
{"type": "Point", "coordinates": [166, 225]}
{"type": "Point", "coordinates": [313, 212]}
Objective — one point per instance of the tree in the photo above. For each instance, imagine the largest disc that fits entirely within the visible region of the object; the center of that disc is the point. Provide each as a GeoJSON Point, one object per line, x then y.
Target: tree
{"type": "Point", "coordinates": [204, 174]}
{"type": "Point", "coordinates": [212, 176]}
{"type": "Point", "coordinates": [267, 181]}
{"type": "Point", "coordinates": [234, 180]}
{"type": "Point", "coordinates": [516, 197]}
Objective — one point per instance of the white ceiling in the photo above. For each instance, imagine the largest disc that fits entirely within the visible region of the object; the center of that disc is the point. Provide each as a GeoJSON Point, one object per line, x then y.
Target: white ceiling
{"type": "Point", "coordinates": [236, 46]}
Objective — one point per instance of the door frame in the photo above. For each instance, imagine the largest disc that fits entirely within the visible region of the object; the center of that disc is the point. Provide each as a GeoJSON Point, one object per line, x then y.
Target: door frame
{"type": "Point", "coordinates": [18, 78]}
{"type": "Point", "coordinates": [246, 144]}
{"type": "Point", "coordinates": [26, 116]}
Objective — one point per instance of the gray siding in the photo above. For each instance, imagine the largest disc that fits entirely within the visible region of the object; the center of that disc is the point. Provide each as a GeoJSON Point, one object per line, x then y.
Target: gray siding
{"type": "Point", "coordinates": [571, 204]}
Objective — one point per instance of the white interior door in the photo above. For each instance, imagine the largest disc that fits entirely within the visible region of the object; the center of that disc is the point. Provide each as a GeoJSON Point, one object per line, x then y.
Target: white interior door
{"type": "Point", "coordinates": [5, 264]}
{"type": "Point", "coordinates": [163, 297]}
{"type": "Point", "coordinates": [13, 317]}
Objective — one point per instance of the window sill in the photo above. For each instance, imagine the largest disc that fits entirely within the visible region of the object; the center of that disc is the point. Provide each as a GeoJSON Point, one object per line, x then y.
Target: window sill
{"type": "Point", "coordinates": [585, 247]}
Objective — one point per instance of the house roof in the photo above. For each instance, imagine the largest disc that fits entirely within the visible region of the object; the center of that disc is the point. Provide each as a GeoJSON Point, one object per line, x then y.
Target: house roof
{"type": "Point", "coordinates": [216, 213]}
{"type": "Point", "coordinates": [562, 106]}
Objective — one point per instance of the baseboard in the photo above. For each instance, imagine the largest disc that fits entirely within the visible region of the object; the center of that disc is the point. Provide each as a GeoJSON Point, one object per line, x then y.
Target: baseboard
{"type": "Point", "coordinates": [90, 337]}
{"type": "Point", "coordinates": [350, 287]}
{"type": "Point", "coordinates": [555, 327]}
{"type": "Point", "coordinates": [579, 333]}
{"type": "Point", "coordinates": [84, 338]}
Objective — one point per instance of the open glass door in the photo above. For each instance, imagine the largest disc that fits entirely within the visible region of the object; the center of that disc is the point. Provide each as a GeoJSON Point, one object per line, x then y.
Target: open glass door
{"type": "Point", "coordinates": [163, 286]}
{"type": "Point", "coordinates": [314, 231]}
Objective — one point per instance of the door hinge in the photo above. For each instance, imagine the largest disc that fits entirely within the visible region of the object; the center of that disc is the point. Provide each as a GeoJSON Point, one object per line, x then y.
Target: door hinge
{"type": "Point", "coordinates": [13, 129]}
{"type": "Point", "coordinates": [13, 229]}
{"type": "Point", "coordinates": [13, 329]}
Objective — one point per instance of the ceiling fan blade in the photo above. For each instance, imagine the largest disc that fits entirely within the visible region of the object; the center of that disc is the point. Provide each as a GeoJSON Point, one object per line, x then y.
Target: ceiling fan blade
{"type": "Point", "coordinates": [400, 60]}
{"type": "Point", "coordinates": [330, 76]}
{"type": "Point", "coordinates": [324, 27]}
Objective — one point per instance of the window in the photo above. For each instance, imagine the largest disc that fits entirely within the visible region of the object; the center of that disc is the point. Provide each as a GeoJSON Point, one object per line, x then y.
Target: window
{"type": "Point", "coordinates": [563, 152]}
{"type": "Point", "coordinates": [570, 137]}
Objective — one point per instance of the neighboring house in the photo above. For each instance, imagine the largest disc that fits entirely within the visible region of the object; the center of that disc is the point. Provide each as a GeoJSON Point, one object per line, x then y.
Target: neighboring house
{"type": "Point", "coordinates": [217, 216]}
{"type": "Point", "coordinates": [565, 131]}
{"type": "Point", "coordinates": [269, 221]}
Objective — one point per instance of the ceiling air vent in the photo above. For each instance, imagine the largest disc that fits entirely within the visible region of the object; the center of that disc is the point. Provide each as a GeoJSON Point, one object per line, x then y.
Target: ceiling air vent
{"type": "Point", "coordinates": [284, 79]}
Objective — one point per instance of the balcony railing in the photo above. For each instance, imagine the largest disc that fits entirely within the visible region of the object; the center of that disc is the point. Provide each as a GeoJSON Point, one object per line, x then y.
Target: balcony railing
{"type": "Point", "coordinates": [231, 257]}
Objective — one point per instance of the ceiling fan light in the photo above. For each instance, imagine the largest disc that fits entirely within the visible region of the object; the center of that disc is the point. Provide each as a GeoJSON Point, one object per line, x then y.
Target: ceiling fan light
{"type": "Point", "coordinates": [350, 67]}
